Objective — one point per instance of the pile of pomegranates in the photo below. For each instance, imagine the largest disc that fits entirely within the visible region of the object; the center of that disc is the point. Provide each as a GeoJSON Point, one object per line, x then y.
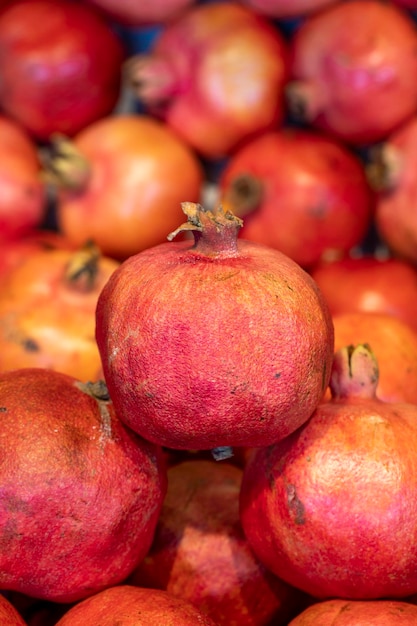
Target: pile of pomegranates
{"type": "Point", "coordinates": [208, 313]}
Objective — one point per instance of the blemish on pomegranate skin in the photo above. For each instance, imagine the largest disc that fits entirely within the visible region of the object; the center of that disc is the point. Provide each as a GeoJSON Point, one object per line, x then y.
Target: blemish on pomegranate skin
{"type": "Point", "coordinates": [30, 345]}
{"type": "Point", "coordinates": [3, 409]}
{"type": "Point", "coordinates": [296, 507]}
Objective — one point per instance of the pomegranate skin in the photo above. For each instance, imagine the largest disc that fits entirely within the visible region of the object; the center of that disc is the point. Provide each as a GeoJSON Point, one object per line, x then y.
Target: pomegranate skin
{"type": "Point", "coordinates": [126, 605]}
{"type": "Point", "coordinates": [299, 191]}
{"type": "Point", "coordinates": [62, 74]}
{"type": "Point", "coordinates": [356, 612]}
{"type": "Point", "coordinates": [216, 76]}
{"type": "Point", "coordinates": [332, 508]}
{"type": "Point", "coordinates": [201, 555]}
{"type": "Point", "coordinates": [81, 494]}
{"type": "Point", "coordinates": [354, 82]}
{"type": "Point", "coordinates": [221, 342]}
{"type": "Point", "coordinates": [395, 215]}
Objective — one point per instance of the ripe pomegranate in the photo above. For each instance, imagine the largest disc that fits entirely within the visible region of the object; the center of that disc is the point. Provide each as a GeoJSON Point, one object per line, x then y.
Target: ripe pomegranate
{"type": "Point", "coordinates": [81, 494]}
{"type": "Point", "coordinates": [300, 192]}
{"type": "Point", "coordinates": [369, 283]}
{"type": "Point", "coordinates": [357, 612]}
{"type": "Point", "coordinates": [23, 193]}
{"type": "Point", "coordinates": [47, 311]}
{"type": "Point", "coordinates": [280, 9]}
{"type": "Point", "coordinates": [391, 171]}
{"type": "Point", "coordinates": [60, 65]}
{"type": "Point", "coordinates": [216, 75]}
{"type": "Point", "coordinates": [121, 181]}
{"type": "Point", "coordinates": [394, 343]}
{"type": "Point", "coordinates": [354, 82]}
{"type": "Point", "coordinates": [8, 614]}
{"type": "Point", "coordinates": [214, 342]}
{"type": "Point", "coordinates": [331, 509]}
{"type": "Point", "coordinates": [126, 605]}
{"type": "Point", "coordinates": [139, 14]}
{"type": "Point", "coordinates": [200, 554]}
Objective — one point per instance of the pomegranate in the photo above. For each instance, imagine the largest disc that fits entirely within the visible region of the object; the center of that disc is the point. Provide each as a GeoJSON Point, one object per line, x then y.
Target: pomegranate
{"type": "Point", "coordinates": [216, 75]}
{"type": "Point", "coordinates": [139, 14]}
{"type": "Point", "coordinates": [369, 283]}
{"type": "Point", "coordinates": [120, 182]}
{"type": "Point", "coordinates": [47, 311]}
{"type": "Point", "coordinates": [354, 612]}
{"type": "Point", "coordinates": [331, 509]}
{"type": "Point", "coordinates": [300, 192]}
{"type": "Point", "coordinates": [216, 342]}
{"type": "Point", "coordinates": [391, 171]}
{"type": "Point", "coordinates": [354, 82]}
{"type": "Point", "coordinates": [23, 193]}
{"type": "Point", "coordinates": [200, 554]}
{"type": "Point", "coordinates": [81, 494]}
{"type": "Point", "coordinates": [8, 614]}
{"type": "Point", "coordinates": [126, 605]}
{"type": "Point", "coordinates": [280, 9]}
{"type": "Point", "coordinates": [394, 343]}
{"type": "Point", "coordinates": [62, 74]}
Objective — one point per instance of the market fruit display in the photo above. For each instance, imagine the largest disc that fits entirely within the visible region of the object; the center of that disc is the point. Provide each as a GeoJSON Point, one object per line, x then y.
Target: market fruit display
{"type": "Point", "coordinates": [121, 181]}
{"type": "Point", "coordinates": [213, 342]}
{"type": "Point", "coordinates": [197, 530]}
{"type": "Point", "coordinates": [299, 191]}
{"type": "Point", "coordinates": [332, 508]}
{"type": "Point", "coordinates": [81, 494]}
{"type": "Point", "coordinates": [60, 65]}
{"type": "Point", "coordinates": [215, 75]}
{"type": "Point", "coordinates": [214, 367]}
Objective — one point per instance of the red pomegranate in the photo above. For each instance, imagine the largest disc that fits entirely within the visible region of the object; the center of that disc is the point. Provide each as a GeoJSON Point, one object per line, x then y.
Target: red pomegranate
{"type": "Point", "coordinates": [60, 65]}
{"type": "Point", "coordinates": [331, 509]}
{"type": "Point", "coordinates": [299, 191]}
{"type": "Point", "coordinates": [357, 613]}
{"type": "Point", "coordinates": [371, 284]}
{"type": "Point", "coordinates": [47, 311]}
{"type": "Point", "coordinates": [391, 171]}
{"type": "Point", "coordinates": [200, 554]}
{"type": "Point", "coordinates": [81, 494]}
{"type": "Point", "coordinates": [354, 82]}
{"type": "Point", "coordinates": [126, 605]}
{"type": "Point", "coordinates": [394, 344]}
{"type": "Point", "coordinates": [22, 190]}
{"type": "Point", "coordinates": [216, 75]}
{"type": "Point", "coordinates": [213, 342]}
{"type": "Point", "coordinates": [120, 182]}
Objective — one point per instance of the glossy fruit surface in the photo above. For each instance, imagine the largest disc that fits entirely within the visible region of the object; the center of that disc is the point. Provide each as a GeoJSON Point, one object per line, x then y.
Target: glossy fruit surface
{"type": "Point", "coordinates": [354, 82]}
{"type": "Point", "coordinates": [61, 74]}
{"type": "Point", "coordinates": [216, 76]}
{"type": "Point", "coordinates": [123, 183]}
{"type": "Point", "coordinates": [299, 191]}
